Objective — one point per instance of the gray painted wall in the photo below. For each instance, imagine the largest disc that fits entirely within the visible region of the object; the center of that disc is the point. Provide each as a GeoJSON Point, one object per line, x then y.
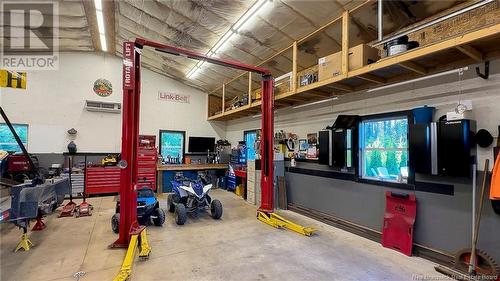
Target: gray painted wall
{"type": "Point", "coordinates": [443, 221]}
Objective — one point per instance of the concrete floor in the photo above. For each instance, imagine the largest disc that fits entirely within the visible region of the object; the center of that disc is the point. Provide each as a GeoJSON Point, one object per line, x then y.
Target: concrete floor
{"type": "Point", "coordinates": [238, 247]}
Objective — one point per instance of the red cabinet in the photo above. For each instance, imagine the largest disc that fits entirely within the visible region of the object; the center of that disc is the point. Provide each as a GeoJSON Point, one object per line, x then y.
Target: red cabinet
{"type": "Point", "coordinates": [147, 158]}
{"type": "Point", "coordinates": [102, 180]}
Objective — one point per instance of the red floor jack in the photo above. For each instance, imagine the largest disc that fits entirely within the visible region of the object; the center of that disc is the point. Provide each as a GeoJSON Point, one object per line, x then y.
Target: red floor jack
{"type": "Point", "coordinates": [69, 209]}
{"type": "Point", "coordinates": [84, 209]}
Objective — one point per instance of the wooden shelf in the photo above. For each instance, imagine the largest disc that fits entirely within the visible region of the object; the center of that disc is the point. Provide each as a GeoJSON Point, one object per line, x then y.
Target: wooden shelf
{"type": "Point", "coordinates": [461, 50]}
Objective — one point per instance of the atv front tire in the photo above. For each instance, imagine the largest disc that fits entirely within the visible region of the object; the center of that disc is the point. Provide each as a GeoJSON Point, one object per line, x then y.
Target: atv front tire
{"type": "Point", "coordinates": [180, 214]}
{"type": "Point", "coordinates": [115, 223]}
{"type": "Point", "coordinates": [160, 217]}
{"type": "Point", "coordinates": [216, 209]}
{"type": "Point", "coordinates": [172, 199]}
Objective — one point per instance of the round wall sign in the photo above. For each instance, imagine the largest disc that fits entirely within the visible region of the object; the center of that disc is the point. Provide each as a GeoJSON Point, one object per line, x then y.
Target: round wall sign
{"type": "Point", "coordinates": [103, 87]}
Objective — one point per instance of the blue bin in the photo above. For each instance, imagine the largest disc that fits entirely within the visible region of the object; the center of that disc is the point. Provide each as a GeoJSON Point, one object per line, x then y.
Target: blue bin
{"type": "Point", "coordinates": [423, 114]}
{"type": "Point", "coordinates": [231, 182]}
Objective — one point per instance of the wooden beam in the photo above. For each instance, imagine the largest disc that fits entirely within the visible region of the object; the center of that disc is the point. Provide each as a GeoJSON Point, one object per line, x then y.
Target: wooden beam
{"type": "Point", "coordinates": [249, 88]}
{"type": "Point", "coordinates": [372, 78]}
{"type": "Point", "coordinates": [316, 93]}
{"type": "Point", "coordinates": [294, 66]}
{"type": "Point", "coordinates": [223, 97]}
{"type": "Point", "coordinates": [345, 43]}
{"type": "Point", "coordinates": [426, 50]}
{"type": "Point", "coordinates": [471, 52]}
{"type": "Point", "coordinates": [414, 67]}
{"type": "Point", "coordinates": [341, 87]}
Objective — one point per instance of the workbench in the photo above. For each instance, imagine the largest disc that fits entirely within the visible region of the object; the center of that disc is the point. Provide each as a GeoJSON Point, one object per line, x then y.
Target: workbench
{"type": "Point", "coordinates": [166, 172]}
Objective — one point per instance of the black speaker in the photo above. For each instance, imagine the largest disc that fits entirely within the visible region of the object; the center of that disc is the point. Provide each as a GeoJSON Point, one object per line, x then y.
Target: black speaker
{"type": "Point", "coordinates": [420, 148]}
{"type": "Point", "coordinates": [456, 147]}
{"type": "Point", "coordinates": [325, 142]}
{"type": "Point", "coordinates": [339, 148]}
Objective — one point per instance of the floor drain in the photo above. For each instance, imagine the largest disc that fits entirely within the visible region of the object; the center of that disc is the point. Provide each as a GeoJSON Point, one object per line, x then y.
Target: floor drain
{"type": "Point", "coordinates": [79, 274]}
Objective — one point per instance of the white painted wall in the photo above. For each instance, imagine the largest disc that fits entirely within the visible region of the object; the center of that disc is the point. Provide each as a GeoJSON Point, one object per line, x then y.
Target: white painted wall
{"type": "Point", "coordinates": [441, 92]}
{"type": "Point", "coordinates": [54, 102]}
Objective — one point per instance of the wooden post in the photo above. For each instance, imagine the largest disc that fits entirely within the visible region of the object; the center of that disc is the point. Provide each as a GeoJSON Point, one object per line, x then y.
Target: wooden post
{"type": "Point", "coordinates": [249, 88]}
{"type": "Point", "coordinates": [223, 97]}
{"type": "Point", "coordinates": [345, 43]}
{"type": "Point", "coordinates": [294, 67]}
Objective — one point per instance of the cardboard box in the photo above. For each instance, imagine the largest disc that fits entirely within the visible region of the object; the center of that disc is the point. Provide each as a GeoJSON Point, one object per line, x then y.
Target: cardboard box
{"type": "Point", "coordinates": [359, 56]}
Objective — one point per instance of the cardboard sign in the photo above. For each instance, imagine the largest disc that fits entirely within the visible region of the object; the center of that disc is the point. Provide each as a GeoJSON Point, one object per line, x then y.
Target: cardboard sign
{"type": "Point", "coordinates": [12, 79]}
{"type": "Point", "coordinates": [173, 97]}
{"type": "Point", "coordinates": [128, 66]}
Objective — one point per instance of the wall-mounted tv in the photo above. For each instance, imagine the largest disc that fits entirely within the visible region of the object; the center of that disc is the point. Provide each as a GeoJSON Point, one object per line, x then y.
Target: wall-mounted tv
{"type": "Point", "coordinates": [201, 144]}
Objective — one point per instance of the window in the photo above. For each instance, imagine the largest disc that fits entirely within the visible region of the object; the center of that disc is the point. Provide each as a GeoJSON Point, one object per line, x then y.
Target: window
{"type": "Point", "coordinates": [172, 146]}
{"type": "Point", "coordinates": [384, 149]}
{"type": "Point", "coordinates": [250, 137]}
{"type": "Point", "coordinates": [7, 140]}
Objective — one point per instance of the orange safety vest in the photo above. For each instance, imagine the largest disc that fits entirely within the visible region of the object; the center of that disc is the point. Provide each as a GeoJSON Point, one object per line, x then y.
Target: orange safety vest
{"type": "Point", "coordinates": [495, 181]}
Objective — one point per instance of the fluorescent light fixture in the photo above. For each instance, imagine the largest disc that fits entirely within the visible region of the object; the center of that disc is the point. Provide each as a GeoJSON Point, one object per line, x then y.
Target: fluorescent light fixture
{"type": "Point", "coordinates": [100, 21]}
{"type": "Point", "coordinates": [419, 79]}
{"type": "Point", "coordinates": [316, 102]}
{"type": "Point", "coordinates": [98, 4]}
{"type": "Point", "coordinates": [255, 9]}
{"type": "Point", "coordinates": [104, 46]}
{"type": "Point", "coordinates": [257, 116]}
{"type": "Point", "coordinates": [100, 25]}
{"type": "Point", "coordinates": [250, 13]}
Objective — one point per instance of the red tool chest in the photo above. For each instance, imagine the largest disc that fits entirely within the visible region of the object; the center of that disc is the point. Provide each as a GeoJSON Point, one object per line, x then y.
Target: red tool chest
{"type": "Point", "coordinates": [102, 180]}
{"type": "Point", "coordinates": [147, 158]}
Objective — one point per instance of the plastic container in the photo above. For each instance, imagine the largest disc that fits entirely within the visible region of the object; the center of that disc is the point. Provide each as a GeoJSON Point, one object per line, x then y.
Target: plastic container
{"type": "Point", "coordinates": [423, 114]}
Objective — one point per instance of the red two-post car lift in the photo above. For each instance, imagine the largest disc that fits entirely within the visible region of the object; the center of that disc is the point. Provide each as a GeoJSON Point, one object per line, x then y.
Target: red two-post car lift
{"type": "Point", "coordinates": [130, 131]}
{"type": "Point", "coordinates": [130, 232]}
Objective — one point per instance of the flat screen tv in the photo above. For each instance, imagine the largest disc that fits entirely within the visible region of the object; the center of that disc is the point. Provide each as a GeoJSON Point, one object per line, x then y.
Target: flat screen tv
{"type": "Point", "coordinates": [201, 144]}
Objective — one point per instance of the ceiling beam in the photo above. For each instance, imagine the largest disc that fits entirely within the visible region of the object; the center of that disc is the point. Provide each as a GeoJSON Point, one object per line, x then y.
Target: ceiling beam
{"type": "Point", "coordinates": [414, 67]}
{"type": "Point", "coordinates": [472, 52]}
{"type": "Point", "coordinates": [372, 78]}
{"type": "Point", "coordinates": [89, 8]}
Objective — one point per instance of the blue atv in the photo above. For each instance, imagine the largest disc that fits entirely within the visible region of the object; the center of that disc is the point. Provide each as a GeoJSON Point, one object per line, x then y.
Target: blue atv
{"type": "Point", "coordinates": [191, 196]}
{"type": "Point", "coordinates": [148, 208]}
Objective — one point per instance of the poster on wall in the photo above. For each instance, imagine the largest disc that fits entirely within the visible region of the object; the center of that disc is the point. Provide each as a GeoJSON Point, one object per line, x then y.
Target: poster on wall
{"type": "Point", "coordinates": [173, 97]}
{"type": "Point", "coordinates": [12, 79]}
{"type": "Point", "coordinates": [312, 139]}
{"type": "Point", "coordinates": [103, 87]}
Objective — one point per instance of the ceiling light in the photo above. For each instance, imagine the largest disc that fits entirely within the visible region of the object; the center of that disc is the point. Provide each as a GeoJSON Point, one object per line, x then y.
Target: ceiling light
{"type": "Point", "coordinates": [252, 11]}
{"type": "Point", "coordinates": [100, 25]}
{"type": "Point", "coordinates": [104, 46]}
{"type": "Point", "coordinates": [316, 102]}
{"type": "Point", "coordinates": [255, 9]}
{"type": "Point", "coordinates": [420, 79]}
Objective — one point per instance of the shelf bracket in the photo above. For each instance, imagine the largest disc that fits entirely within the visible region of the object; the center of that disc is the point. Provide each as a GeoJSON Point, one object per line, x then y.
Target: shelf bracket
{"type": "Point", "coordinates": [486, 74]}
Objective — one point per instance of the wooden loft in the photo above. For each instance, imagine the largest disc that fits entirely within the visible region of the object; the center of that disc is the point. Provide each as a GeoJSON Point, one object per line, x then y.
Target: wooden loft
{"type": "Point", "coordinates": [466, 47]}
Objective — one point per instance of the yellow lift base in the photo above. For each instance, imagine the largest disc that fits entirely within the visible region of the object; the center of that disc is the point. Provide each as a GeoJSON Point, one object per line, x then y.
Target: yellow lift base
{"type": "Point", "coordinates": [277, 221]}
{"type": "Point", "coordinates": [24, 244]}
{"type": "Point", "coordinates": [126, 268]}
